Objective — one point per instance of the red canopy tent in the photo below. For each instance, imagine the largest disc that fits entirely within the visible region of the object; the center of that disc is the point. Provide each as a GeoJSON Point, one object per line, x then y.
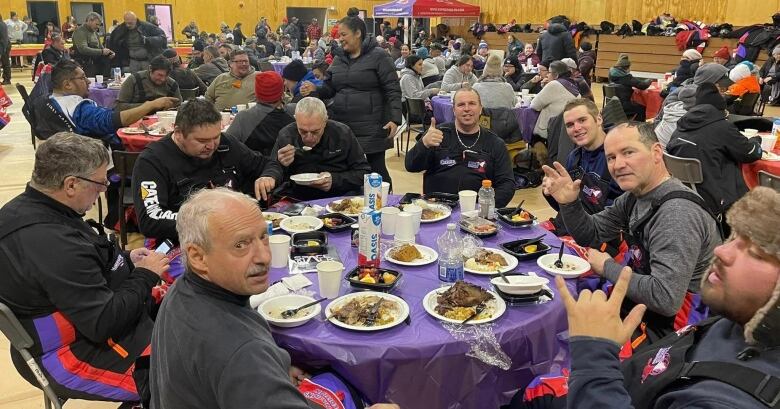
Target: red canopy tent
{"type": "Point", "coordinates": [426, 8]}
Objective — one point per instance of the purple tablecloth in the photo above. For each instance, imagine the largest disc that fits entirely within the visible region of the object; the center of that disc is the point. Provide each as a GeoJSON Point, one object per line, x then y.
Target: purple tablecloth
{"type": "Point", "coordinates": [421, 365]}
{"type": "Point", "coordinates": [526, 117]}
{"type": "Point", "coordinates": [279, 66]}
{"type": "Point", "coordinates": [105, 97]}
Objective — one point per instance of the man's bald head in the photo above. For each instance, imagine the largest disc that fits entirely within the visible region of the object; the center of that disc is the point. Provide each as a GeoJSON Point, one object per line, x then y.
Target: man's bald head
{"type": "Point", "coordinates": [130, 20]}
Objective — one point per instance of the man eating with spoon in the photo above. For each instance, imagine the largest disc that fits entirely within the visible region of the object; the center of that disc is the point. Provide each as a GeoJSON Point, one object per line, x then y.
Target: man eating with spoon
{"type": "Point", "coordinates": [318, 157]}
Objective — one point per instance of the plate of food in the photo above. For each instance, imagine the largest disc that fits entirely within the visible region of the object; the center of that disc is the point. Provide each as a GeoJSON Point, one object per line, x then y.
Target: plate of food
{"type": "Point", "coordinates": [573, 266]}
{"type": "Point", "coordinates": [305, 179]}
{"type": "Point", "coordinates": [770, 156]}
{"type": "Point", "coordinates": [351, 206]}
{"type": "Point", "coordinates": [411, 255]}
{"type": "Point", "coordinates": [431, 212]}
{"type": "Point", "coordinates": [523, 251]}
{"type": "Point", "coordinates": [274, 218]}
{"type": "Point", "coordinates": [300, 224]}
{"type": "Point", "coordinates": [521, 219]}
{"type": "Point", "coordinates": [158, 132]}
{"type": "Point", "coordinates": [336, 222]}
{"type": "Point", "coordinates": [367, 311]}
{"type": "Point", "coordinates": [478, 226]}
{"type": "Point", "coordinates": [489, 261]}
{"type": "Point", "coordinates": [131, 130]}
{"type": "Point", "coordinates": [455, 303]}
{"type": "Point", "coordinates": [373, 278]}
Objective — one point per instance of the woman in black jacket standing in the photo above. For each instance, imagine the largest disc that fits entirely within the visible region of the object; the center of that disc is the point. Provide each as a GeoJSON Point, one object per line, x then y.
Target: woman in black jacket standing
{"type": "Point", "coordinates": [365, 91]}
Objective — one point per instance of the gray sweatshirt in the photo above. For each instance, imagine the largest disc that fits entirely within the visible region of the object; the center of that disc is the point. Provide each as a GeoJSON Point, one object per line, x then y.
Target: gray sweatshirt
{"type": "Point", "coordinates": [412, 86]}
{"type": "Point", "coordinates": [495, 93]}
{"type": "Point", "coordinates": [680, 239]}
{"type": "Point", "coordinates": [453, 79]}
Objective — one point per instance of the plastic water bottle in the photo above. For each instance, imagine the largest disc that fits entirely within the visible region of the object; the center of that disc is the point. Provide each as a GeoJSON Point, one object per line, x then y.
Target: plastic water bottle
{"type": "Point", "coordinates": [450, 256]}
{"type": "Point", "coordinates": [487, 200]}
{"type": "Point", "coordinates": [117, 74]}
{"type": "Point", "coordinates": [776, 127]}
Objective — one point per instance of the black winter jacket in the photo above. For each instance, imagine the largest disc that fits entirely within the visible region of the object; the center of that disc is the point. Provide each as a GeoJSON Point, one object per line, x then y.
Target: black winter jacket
{"type": "Point", "coordinates": [556, 44]}
{"type": "Point", "coordinates": [704, 134]}
{"type": "Point", "coordinates": [586, 63]}
{"type": "Point", "coordinates": [365, 93]}
{"type": "Point", "coordinates": [155, 42]}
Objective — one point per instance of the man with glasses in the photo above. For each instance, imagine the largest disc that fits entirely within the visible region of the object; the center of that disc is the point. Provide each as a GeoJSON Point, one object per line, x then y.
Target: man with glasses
{"type": "Point", "coordinates": [195, 156]}
{"type": "Point", "coordinates": [88, 51]}
{"type": "Point", "coordinates": [236, 86]}
{"type": "Point", "coordinates": [69, 109]}
{"type": "Point", "coordinates": [85, 303]}
{"type": "Point", "coordinates": [148, 85]}
{"type": "Point", "coordinates": [315, 144]}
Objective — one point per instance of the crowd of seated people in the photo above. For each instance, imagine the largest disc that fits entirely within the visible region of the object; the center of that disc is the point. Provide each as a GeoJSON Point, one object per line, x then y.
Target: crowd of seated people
{"type": "Point", "coordinates": [666, 252]}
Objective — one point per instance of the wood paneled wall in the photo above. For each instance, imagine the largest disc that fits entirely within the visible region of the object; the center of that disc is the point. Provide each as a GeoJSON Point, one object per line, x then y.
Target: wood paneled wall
{"type": "Point", "coordinates": [209, 14]}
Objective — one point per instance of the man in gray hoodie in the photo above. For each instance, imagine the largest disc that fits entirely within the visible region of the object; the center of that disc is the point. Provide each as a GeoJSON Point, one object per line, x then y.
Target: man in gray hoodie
{"type": "Point", "coordinates": [670, 234]}
{"type": "Point", "coordinates": [213, 65]}
{"type": "Point", "coordinates": [684, 98]}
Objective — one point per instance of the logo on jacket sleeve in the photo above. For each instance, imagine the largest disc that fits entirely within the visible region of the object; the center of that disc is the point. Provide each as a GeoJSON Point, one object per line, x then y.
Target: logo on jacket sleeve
{"type": "Point", "coordinates": [593, 194]}
{"type": "Point", "coordinates": [657, 365]}
{"type": "Point", "coordinates": [152, 203]}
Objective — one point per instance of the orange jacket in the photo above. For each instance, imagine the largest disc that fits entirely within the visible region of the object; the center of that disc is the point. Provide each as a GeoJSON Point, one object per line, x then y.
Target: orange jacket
{"type": "Point", "coordinates": [747, 85]}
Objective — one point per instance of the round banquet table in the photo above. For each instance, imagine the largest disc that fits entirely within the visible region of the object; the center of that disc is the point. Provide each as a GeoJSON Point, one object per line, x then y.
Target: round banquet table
{"type": "Point", "coordinates": [421, 365]}
{"type": "Point", "coordinates": [526, 117]}
{"type": "Point", "coordinates": [650, 98]}
{"type": "Point", "coordinates": [137, 142]}
{"type": "Point", "coordinates": [750, 170]}
{"type": "Point", "coordinates": [105, 97]}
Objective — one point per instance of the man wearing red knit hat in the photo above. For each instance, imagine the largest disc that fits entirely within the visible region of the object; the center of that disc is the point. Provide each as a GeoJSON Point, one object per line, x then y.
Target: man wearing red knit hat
{"type": "Point", "coordinates": [258, 126]}
{"type": "Point", "coordinates": [723, 57]}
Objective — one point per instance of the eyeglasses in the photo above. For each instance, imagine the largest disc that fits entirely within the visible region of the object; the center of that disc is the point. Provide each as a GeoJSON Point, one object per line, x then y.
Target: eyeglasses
{"type": "Point", "coordinates": [105, 184]}
{"type": "Point", "coordinates": [83, 77]}
{"type": "Point", "coordinates": [240, 61]}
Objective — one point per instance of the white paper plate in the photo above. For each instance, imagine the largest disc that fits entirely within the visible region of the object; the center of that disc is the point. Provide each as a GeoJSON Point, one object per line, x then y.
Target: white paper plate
{"type": "Point", "coordinates": [446, 212]}
{"type": "Point", "coordinates": [770, 156]}
{"type": "Point", "coordinates": [271, 216]}
{"type": "Point", "coordinates": [133, 131]}
{"type": "Point", "coordinates": [430, 302]}
{"type": "Point", "coordinates": [296, 224]}
{"type": "Point", "coordinates": [330, 209]}
{"type": "Point", "coordinates": [510, 260]}
{"type": "Point", "coordinates": [546, 261]}
{"type": "Point", "coordinates": [429, 256]}
{"type": "Point", "coordinates": [157, 132]}
{"type": "Point", "coordinates": [305, 179]}
{"type": "Point", "coordinates": [338, 302]}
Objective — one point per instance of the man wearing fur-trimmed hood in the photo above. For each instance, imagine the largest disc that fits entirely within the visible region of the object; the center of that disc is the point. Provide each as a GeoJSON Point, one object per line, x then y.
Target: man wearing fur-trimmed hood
{"type": "Point", "coordinates": [729, 361]}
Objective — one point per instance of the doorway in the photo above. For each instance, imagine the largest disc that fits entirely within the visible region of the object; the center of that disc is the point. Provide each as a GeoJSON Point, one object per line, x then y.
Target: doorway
{"type": "Point", "coordinates": [305, 14]}
{"type": "Point", "coordinates": [164, 15]}
{"type": "Point", "coordinates": [80, 11]}
{"type": "Point", "coordinates": [43, 12]}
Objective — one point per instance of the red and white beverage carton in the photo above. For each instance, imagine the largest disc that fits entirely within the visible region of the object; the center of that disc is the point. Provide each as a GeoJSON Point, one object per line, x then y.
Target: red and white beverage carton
{"type": "Point", "coordinates": [370, 222]}
{"type": "Point", "coordinates": [372, 191]}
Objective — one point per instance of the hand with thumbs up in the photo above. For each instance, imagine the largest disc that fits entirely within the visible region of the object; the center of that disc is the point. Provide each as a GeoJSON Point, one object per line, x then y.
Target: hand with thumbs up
{"type": "Point", "coordinates": [433, 137]}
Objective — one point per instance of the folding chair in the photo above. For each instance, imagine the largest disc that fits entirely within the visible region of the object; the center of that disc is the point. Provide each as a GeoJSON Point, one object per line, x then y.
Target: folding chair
{"type": "Point", "coordinates": [21, 341]}
{"type": "Point", "coordinates": [123, 164]}
{"type": "Point", "coordinates": [609, 90]}
{"type": "Point", "coordinates": [415, 108]}
{"type": "Point", "coordinates": [27, 114]}
{"type": "Point", "coordinates": [688, 170]}
{"type": "Point", "coordinates": [187, 93]}
{"type": "Point", "coordinates": [769, 180]}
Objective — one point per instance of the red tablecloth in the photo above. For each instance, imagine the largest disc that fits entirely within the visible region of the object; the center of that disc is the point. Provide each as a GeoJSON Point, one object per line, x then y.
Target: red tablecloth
{"type": "Point", "coordinates": [650, 98]}
{"type": "Point", "coordinates": [137, 142]}
{"type": "Point", "coordinates": [750, 170]}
